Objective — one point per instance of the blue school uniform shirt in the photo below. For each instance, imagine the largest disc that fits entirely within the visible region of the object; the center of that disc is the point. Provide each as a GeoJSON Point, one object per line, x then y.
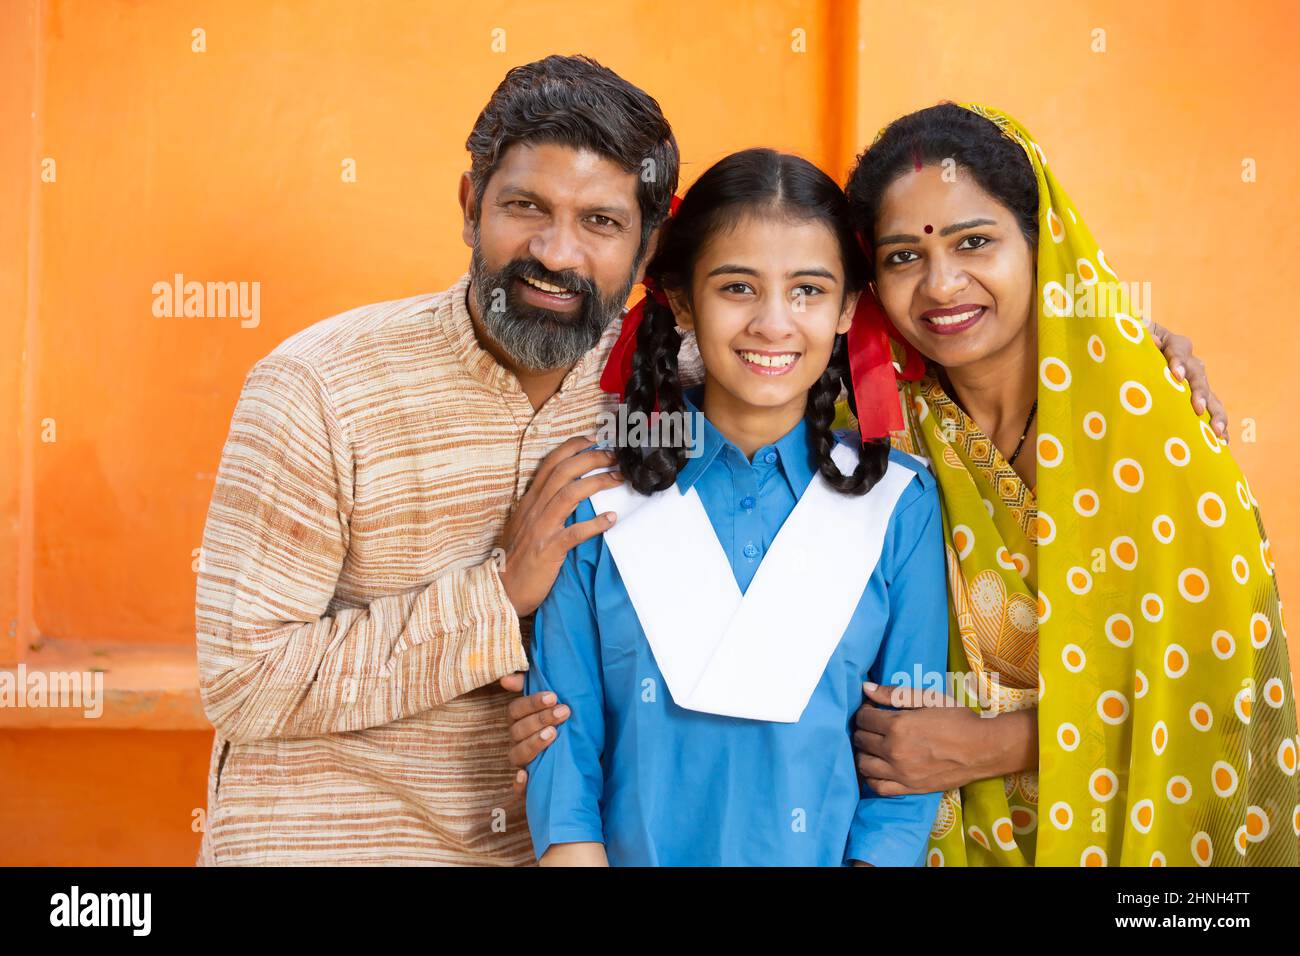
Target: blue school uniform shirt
{"type": "Point", "coordinates": [661, 785]}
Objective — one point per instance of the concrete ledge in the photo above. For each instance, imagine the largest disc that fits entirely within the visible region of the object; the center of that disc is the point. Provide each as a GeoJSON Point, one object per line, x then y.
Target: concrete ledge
{"type": "Point", "coordinates": [145, 687]}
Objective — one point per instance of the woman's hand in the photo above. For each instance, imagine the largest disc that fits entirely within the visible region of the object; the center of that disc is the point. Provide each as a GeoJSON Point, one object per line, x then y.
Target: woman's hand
{"type": "Point", "coordinates": [1187, 367]}
{"type": "Point", "coordinates": [924, 749]}
{"type": "Point", "coordinates": [534, 719]}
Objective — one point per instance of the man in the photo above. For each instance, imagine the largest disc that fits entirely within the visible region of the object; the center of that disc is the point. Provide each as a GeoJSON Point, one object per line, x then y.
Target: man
{"type": "Point", "coordinates": [390, 504]}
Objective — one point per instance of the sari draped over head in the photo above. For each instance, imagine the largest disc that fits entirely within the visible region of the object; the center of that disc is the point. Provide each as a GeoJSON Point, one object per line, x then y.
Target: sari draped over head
{"type": "Point", "coordinates": [1132, 599]}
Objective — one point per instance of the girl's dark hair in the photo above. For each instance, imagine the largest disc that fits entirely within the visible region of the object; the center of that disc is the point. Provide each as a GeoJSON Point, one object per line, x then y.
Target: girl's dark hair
{"type": "Point", "coordinates": [935, 134]}
{"type": "Point", "coordinates": [754, 181]}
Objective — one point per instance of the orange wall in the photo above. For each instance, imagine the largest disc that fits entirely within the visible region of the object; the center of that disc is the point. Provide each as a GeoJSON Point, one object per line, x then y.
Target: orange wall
{"type": "Point", "coordinates": [225, 165]}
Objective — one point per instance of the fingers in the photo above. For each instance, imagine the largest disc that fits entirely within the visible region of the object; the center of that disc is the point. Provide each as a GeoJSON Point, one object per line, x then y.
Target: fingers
{"type": "Point", "coordinates": [887, 695]}
{"type": "Point", "coordinates": [559, 455]}
{"type": "Point", "coordinates": [522, 753]}
{"type": "Point", "coordinates": [889, 788]}
{"type": "Point", "coordinates": [1177, 350]}
{"type": "Point", "coordinates": [581, 531]}
{"type": "Point", "coordinates": [864, 741]}
{"type": "Point", "coordinates": [513, 682]}
{"type": "Point", "coordinates": [521, 785]}
{"type": "Point", "coordinates": [522, 707]}
{"type": "Point", "coordinates": [570, 470]}
{"type": "Point", "coordinates": [1159, 334]}
{"type": "Point", "coordinates": [535, 723]}
{"type": "Point", "coordinates": [1187, 367]}
{"type": "Point", "coordinates": [572, 458]}
{"type": "Point", "coordinates": [1218, 417]}
{"type": "Point", "coordinates": [551, 519]}
{"type": "Point", "coordinates": [874, 768]}
{"type": "Point", "coordinates": [874, 720]}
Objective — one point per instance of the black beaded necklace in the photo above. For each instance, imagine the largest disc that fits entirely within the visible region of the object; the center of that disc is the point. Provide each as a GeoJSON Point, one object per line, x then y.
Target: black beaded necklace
{"type": "Point", "coordinates": [1021, 444]}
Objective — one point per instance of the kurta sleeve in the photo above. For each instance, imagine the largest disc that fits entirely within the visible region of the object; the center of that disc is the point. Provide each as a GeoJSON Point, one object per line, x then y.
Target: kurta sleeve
{"type": "Point", "coordinates": [275, 660]}
{"type": "Point", "coordinates": [566, 780]}
{"type": "Point", "coordinates": [893, 831]}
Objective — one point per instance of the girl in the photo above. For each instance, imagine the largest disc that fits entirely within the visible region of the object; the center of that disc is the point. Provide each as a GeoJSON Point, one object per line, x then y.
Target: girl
{"type": "Point", "coordinates": [1112, 585]}
{"type": "Point", "coordinates": [713, 644]}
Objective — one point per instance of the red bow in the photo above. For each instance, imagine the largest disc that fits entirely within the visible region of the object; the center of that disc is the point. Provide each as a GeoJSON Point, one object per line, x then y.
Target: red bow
{"type": "Point", "coordinates": [871, 365]}
{"type": "Point", "coordinates": [618, 368]}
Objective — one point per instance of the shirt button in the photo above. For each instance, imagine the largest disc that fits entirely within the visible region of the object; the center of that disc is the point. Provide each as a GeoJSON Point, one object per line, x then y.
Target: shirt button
{"type": "Point", "coordinates": [747, 502]}
{"type": "Point", "coordinates": [770, 458]}
{"type": "Point", "coordinates": [750, 550]}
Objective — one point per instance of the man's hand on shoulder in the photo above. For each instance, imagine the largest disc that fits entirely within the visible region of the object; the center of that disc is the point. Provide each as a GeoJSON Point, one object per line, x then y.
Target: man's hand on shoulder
{"type": "Point", "coordinates": [536, 538]}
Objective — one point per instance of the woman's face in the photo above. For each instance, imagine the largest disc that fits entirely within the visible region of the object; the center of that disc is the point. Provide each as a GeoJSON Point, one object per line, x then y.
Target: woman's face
{"type": "Point", "coordinates": [953, 270]}
{"type": "Point", "coordinates": [766, 302]}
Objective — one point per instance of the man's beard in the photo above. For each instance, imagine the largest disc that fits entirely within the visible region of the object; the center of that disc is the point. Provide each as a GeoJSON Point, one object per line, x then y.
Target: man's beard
{"type": "Point", "coordinates": [538, 338]}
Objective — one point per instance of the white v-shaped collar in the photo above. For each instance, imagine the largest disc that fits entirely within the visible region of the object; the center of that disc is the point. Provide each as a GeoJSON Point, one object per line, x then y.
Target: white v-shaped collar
{"type": "Point", "coordinates": [758, 655]}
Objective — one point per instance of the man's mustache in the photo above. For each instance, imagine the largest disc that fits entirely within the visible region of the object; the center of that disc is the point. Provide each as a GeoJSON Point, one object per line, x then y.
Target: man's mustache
{"type": "Point", "coordinates": [569, 280]}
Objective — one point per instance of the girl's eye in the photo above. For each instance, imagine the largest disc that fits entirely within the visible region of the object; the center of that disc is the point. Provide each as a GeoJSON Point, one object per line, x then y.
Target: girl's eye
{"type": "Point", "coordinates": [979, 241]}
{"type": "Point", "coordinates": [736, 288]}
{"type": "Point", "coordinates": [896, 258]}
{"type": "Point", "coordinates": [806, 291]}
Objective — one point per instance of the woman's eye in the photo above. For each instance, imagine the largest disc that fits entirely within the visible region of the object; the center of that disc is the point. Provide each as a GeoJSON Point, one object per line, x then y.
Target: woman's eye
{"type": "Point", "coordinates": [736, 288]}
{"type": "Point", "coordinates": [897, 258]}
{"type": "Point", "coordinates": [978, 242]}
{"type": "Point", "coordinates": [806, 291]}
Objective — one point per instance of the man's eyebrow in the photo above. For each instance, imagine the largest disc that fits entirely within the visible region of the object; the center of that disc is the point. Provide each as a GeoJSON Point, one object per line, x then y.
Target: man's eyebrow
{"type": "Point", "coordinates": [945, 231]}
{"type": "Point", "coordinates": [733, 269]}
{"type": "Point", "coordinates": [520, 192]}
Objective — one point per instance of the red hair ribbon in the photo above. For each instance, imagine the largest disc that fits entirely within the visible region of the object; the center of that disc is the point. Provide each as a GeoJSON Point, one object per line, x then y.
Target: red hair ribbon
{"type": "Point", "coordinates": [618, 368]}
{"type": "Point", "coordinates": [871, 365]}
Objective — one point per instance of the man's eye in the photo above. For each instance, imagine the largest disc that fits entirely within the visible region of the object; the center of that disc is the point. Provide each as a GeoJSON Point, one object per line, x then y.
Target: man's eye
{"type": "Point", "coordinates": [603, 221]}
{"type": "Point", "coordinates": [524, 205]}
{"type": "Point", "coordinates": [977, 240]}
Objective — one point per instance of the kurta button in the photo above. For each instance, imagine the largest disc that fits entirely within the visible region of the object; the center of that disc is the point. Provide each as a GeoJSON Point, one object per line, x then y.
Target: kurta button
{"type": "Point", "coordinates": [770, 458]}
{"type": "Point", "coordinates": [750, 550]}
{"type": "Point", "coordinates": [747, 502]}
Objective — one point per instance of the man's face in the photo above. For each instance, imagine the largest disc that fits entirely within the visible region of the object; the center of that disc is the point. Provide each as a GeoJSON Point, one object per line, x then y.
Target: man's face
{"type": "Point", "coordinates": [555, 243]}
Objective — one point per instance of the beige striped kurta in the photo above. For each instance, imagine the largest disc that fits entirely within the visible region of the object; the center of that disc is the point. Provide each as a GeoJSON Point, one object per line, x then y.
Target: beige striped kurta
{"type": "Point", "coordinates": [351, 621]}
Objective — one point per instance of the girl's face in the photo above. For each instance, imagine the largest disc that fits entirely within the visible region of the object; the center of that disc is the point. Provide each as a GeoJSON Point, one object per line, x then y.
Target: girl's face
{"type": "Point", "coordinates": [766, 302]}
{"type": "Point", "coordinates": [953, 270]}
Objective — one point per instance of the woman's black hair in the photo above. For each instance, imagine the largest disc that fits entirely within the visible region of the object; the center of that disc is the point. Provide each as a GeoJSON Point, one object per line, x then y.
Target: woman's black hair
{"type": "Point", "coordinates": [931, 136]}
{"type": "Point", "coordinates": [754, 181]}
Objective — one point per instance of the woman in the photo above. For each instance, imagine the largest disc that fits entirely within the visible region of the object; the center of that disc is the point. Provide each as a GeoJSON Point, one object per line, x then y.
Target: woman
{"type": "Point", "coordinates": [713, 643]}
{"type": "Point", "coordinates": [1117, 577]}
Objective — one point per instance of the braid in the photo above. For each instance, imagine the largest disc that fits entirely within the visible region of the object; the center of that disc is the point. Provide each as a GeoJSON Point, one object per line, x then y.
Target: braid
{"type": "Point", "coordinates": [654, 379]}
{"type": "Point", "coordinates": [820, 413]}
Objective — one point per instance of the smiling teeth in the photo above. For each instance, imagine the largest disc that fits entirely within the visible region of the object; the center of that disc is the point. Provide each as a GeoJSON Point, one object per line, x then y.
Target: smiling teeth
{"type": "Point", "coordinates": [547, 287]}
{"type": "Point", "coordinates": [951, 319]}
{"type": "Point", "coordinates": [769, 361]}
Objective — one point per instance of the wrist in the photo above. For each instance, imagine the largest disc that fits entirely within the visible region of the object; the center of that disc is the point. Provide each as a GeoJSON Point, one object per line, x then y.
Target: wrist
{"type": "Point", "coordinates": [1014, 740]}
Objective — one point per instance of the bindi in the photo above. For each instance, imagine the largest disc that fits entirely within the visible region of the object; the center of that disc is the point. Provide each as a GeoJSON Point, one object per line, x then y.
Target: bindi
{"type": "Point", "coordinates": [928, 228]}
